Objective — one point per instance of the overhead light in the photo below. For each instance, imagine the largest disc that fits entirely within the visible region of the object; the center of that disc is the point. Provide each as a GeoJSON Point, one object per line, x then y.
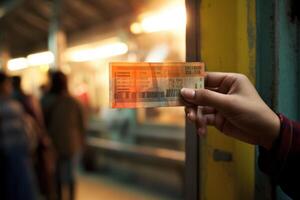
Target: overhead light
{"type": "Point", "coordinates": [136, 28]}
{"type": "Point", "coordinates": [43, 58]}
{"type": "Point", "coordinates": [80, 54]}
{"type": "Point", "coordinates": [170, 18]}
{"type": "Point", "coordinates": [17, 64]}
{"type": "Point", "coordinates": [37, 59]}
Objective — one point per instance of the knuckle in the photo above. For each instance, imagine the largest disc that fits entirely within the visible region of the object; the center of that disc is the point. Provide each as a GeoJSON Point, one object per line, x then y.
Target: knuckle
{"type": "Point", "coordinates": [201, 96]}
{"type": "Point", "coordinates": [242, 77]}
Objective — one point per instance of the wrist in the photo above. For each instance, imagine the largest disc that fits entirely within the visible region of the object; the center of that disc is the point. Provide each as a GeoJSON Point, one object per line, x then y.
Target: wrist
{"type": "Point", "coordinates": [272, 132]}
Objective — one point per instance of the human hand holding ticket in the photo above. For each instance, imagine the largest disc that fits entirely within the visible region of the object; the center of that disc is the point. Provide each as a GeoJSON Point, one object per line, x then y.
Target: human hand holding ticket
{"type": "Point", "coordinates": [231, 103]}
{"type": "Point", "coordinates": [144, 84]}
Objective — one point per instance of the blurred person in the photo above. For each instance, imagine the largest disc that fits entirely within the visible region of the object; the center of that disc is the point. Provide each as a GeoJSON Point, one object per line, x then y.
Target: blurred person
{"type": "Point", "coordinates": [16, 173]}
{"type": "Point", "coordinates": [41, 147]}
{"type": "Point", "coordinates": [231, 104]}
{"type": "Point", "coordinates": [65, 122]}
{"type": "Point", "coordinates": [43, 90]}
{"type": "Point", "coordinates": [30, 104]}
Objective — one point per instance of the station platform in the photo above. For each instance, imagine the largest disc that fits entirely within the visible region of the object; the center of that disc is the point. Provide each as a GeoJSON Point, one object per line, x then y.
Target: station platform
{"type": "Point", "coordinates": [95, 187]}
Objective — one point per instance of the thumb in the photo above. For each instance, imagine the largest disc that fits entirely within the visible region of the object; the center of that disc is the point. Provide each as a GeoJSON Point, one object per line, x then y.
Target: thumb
{"type": "Point", "coordinates": [204, 97]}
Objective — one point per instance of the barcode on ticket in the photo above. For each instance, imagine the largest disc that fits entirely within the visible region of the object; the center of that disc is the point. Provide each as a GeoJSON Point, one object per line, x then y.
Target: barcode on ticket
{"type": "Point", "coordinates": [147, 96]}
{"type": "Point", "coordinates": [144, 84]}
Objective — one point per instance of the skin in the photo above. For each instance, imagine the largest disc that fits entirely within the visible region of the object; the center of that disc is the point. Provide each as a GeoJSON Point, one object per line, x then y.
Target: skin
{"type": "Point", "coordinates": [232, 105]}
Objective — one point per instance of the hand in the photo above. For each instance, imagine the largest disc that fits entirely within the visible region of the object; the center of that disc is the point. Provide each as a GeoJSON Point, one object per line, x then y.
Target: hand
{"type": "Point", "coordinates": [232, 105]}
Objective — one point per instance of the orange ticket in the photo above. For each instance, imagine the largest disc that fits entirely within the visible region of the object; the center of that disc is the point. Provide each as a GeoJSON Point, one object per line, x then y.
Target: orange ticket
{"type": "Point", "coordinates": [145, 84]}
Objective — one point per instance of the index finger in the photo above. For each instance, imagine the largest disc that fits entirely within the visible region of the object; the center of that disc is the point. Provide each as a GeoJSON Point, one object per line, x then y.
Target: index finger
{"type": "Point", "coordinates": [215, 79]}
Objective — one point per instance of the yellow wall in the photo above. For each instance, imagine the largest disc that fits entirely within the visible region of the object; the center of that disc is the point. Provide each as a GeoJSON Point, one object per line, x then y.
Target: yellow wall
{"type": "Point", "coordinates": [227, 44]}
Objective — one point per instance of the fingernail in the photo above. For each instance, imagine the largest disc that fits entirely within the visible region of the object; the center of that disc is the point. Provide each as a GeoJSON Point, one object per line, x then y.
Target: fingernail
{"type": "Point", "coordinates": [201, 131]}
{"type": "Point", "coordinates": [191, 116]}
{"type": "Point", "coordinates": [188, 93]}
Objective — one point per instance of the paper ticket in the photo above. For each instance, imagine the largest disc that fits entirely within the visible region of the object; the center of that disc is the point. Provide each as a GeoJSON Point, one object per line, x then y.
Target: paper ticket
{"type": "Point", "coordinates": [144, 84]}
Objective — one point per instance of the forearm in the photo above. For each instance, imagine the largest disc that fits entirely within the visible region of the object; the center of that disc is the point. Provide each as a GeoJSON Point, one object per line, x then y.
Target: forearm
{"type": "Point", "coordinates": [282, 162]}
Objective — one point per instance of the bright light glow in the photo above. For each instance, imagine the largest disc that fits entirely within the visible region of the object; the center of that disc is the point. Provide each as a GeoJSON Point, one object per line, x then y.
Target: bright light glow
{"type": "Point", "coordinates": [158, 54]}
{"type": "Point", "coordinates": [43, 58]}
{"type": "Point", "coordinates": [99, 52]}
{"type": "Point", "coordinates": [136, 28]}
{"type": "Point", "coordinates": [17, 64]}
{"type": "Point", "coordinates": [44, 68]}
{"type": "Point", "coordinates": [171, 18]}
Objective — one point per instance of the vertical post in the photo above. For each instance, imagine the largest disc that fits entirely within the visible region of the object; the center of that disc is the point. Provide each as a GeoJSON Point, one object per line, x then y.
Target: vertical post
{"type": "Point", "coordinates": [4, 53]}
{"type": "Point", "coordinates": [287, 47]}
{"type": "Point", "coordinates": [192, 167]}
{"type": "Point", "coordinates": [4, 57]}
{"type": "Point", "coordinates": [57, 38]}
{"type": "Point", "coordinates": [266, 78]}
{"type": "Point", "coordinates": [287, 54]}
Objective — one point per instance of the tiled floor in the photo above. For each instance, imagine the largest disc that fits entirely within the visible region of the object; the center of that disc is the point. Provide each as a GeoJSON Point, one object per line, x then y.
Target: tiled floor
{"type": "Point", "coordinates": [95, 187]}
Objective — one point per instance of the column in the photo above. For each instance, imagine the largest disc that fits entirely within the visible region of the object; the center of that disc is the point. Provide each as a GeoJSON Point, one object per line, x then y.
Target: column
{"type": "Point", "coordinates": [57, 37]}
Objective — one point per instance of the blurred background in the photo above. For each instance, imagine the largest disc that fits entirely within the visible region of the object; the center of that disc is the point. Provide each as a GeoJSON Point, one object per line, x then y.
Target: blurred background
{"type": "Point", "coordinates": [128, 154]}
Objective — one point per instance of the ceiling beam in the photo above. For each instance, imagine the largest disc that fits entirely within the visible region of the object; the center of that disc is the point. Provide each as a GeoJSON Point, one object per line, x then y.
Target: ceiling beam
{"type": "Point", "coordinates": [83, 9]}
{"type": "Point", "coordinates": [101, 6]}
{"type": "Point", "coordinates": [34, 20]}
{"type": "Point", "coordinates": [21, 30]}
{"type": "Point", "coordinates": [40, 8]}
{"type": "Point", "coordinates": [8, 6]}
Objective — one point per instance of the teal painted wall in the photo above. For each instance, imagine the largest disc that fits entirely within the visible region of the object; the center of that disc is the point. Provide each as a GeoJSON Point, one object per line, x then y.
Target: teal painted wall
{"type": "Point", "coordinates": [287, 55]}
{"type": "Point", "coordinates": [277, 69]}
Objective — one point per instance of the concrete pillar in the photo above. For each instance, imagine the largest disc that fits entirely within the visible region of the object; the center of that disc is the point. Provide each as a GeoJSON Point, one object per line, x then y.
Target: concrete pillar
{"type": "Point", "coordinates": [4, 53]}
{"type": "Point", "coordinates": [57, 38]}
{"type": "Point", "coordinates": [4, 57]}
